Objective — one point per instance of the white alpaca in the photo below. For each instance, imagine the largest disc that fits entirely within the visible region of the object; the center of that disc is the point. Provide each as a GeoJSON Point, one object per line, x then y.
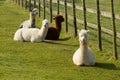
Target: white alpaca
{"type": "Point", "coordinates": [31, 22]}
{"type": "Point", "coordinates": [32, 34]}
{"type": "Point", "coordinates": [83, 55]}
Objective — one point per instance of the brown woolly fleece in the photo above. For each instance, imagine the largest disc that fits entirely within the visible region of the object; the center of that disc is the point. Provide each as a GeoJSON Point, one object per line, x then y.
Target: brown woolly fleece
{"type": "Point", "coordinates": [54, 32]}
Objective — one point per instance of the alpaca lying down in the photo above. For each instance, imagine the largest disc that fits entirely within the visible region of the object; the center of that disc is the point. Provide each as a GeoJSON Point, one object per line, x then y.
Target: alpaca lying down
{"type": "Point", "coordinates": [30, 23]}
{"type": "Point", "coordinates": [54, 31]}
{"type": "Point", "coordinates": [80, 59]}
{"type": "Point", "coordinates": [32, 34]}
{"type": "Point", "coordinates": [83, 55]}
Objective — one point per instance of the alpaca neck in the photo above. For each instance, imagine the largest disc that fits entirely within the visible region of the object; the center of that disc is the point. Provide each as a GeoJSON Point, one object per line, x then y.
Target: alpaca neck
{"type": "Point", "coordinates": [42, 30]}
{"type": "Point", "coordinates": [84, 53]}
{"type": "Point", "coordinates": [32, 19]}
{"type": "Point", "coordinates": [31, 16]}
{"type": "Point", "coordinates": [58, 26]}
{"type": "Point", "coordinates": [84, 47]}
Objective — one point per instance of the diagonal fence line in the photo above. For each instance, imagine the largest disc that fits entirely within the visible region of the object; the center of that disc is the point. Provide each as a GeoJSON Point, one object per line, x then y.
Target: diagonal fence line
{"type": "Point", "coordinates": [105, 30]}
{"type": "Point", "coordinates": [103, 13]}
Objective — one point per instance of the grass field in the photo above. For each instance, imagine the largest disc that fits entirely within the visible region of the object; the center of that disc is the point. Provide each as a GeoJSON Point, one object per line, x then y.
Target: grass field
{"type": "Point", "coordinates": [50, 60]}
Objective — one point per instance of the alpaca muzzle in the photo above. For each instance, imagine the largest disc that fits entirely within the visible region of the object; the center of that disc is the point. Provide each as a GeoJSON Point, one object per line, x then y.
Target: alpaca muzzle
{"type": "Point", "coordinates": [82, 38]}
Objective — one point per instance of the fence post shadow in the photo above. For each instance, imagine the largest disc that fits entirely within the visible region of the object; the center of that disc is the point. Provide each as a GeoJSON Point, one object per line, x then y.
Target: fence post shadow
{"type": "Point", "coordinates": [109, 66]}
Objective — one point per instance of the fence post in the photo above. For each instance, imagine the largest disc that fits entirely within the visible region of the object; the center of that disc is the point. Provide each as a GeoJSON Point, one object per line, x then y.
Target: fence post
{"type": "Point", "coordinates": [19, 2]}
{"type": "Point", "coordinates": [51, 11]}
{"type": "Point", "coordinates": [66, 16]}
{"type": "Point", "coordinates": [74, 17]}
{"type": "Point", "coordinates": [39, 7]}
{"type": "Point", "coordinates": [99, 26]}
{"type": "Point", "coordinates": [29, 5]}
{"type": "Point", "coordinates": [44, 8]}
{"type": "Point", "coordinates": [58, 7]}
{"type": "Point", "coordinates": [84, 12]}
{"type": "Point", "coordinates": [34, 3]}
{"type": "Point", "coordinates": [114, 31]}
{"type": "Point", "coordinates": [16, 1]}
{"type": "Point", "coordinates": [26, 4]}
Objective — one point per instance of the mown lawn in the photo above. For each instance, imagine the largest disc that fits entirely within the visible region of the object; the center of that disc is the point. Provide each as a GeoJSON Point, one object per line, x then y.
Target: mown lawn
{"type": "Point", "coordinates": [50, 60]}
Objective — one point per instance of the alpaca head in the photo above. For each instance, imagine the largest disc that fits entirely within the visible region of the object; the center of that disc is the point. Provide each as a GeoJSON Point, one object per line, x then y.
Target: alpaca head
{"type": "Point", "coordinates": [35, 11]}
{"type": "Point", "coordinates": [58, 18]}
{"type": "Point", "coordinates": [45, 23]}
{"type": "Point", "coordinates": [83, 35]}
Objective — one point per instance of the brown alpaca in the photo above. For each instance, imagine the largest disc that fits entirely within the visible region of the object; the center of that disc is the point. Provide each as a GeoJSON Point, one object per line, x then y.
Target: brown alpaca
{"type": "Point", "coordinates": [54, 32]}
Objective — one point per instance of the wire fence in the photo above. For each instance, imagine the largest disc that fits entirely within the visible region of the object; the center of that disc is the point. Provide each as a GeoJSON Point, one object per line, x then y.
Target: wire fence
{"type": "Point", "coordinates": [73, 8]}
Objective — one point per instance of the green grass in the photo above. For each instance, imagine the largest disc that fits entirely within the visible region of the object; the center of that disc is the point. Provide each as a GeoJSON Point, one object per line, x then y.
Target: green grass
{"type": "Point", "coordinates": [50, 60]}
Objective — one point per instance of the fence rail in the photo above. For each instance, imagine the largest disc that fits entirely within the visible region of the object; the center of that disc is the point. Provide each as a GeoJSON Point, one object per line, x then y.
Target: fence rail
{"type": "Point", "coordinates": [42, 4]}
{"type": "Point", "coordinates": [102, 13]}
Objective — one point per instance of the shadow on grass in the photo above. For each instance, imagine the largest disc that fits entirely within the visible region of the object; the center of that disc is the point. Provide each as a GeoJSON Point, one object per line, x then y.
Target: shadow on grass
{"type": "Point", "coordinates": [59, 43]}
{"type": "Point", "coordinates": [108, 66]}
{"type": "Point", "coordinates": [64, 39]}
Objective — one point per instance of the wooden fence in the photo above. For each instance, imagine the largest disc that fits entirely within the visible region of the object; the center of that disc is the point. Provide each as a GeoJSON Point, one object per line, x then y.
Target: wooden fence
{"type": "Point", "coordinates": [28, 4]}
